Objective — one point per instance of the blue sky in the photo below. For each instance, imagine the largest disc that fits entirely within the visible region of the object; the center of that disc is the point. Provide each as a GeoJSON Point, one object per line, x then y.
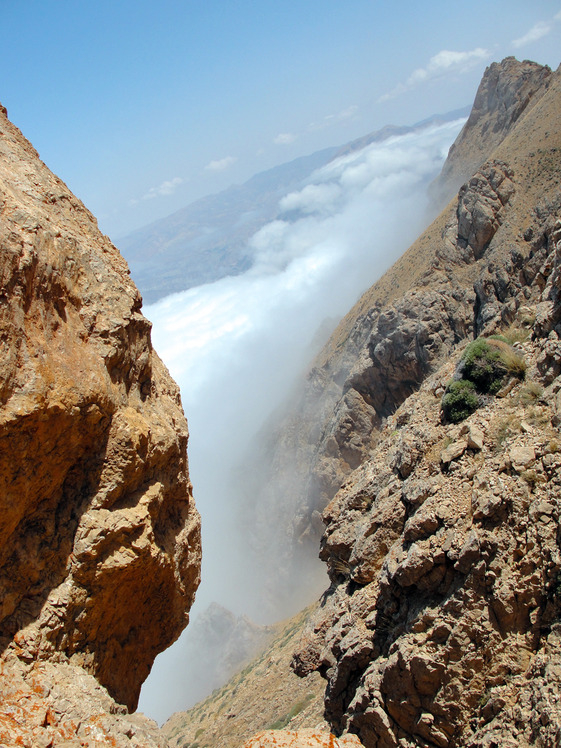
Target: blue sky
{"type": "Point", "coordinates": [143, 107]}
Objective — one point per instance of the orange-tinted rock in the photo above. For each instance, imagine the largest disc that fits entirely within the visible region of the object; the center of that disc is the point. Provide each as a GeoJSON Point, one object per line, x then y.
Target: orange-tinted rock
{"type": "Point", "coordinates": [99, 536]}
{"type": "Point", "coordinates": [301, 739]}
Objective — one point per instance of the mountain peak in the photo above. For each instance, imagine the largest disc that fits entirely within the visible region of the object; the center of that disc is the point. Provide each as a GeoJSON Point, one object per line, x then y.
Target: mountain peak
{"type": "Point", "coordinates": [507, 90]}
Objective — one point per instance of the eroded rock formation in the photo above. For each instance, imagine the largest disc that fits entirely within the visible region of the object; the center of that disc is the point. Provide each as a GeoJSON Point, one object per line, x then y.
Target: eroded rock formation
{"type": "Point", "coordinates": [99, 537]}
{"type": "Point", "coordinates": [461, 276]}
{"type": "Point", "coordinates": [441, 625]}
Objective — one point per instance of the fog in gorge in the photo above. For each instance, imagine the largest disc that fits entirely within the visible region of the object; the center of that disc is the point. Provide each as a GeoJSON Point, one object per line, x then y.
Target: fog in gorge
{"type": "Point", "coordinates": [237, 348]}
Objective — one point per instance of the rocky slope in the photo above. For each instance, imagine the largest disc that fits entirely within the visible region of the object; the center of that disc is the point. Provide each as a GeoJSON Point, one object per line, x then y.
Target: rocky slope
{"type": "Point", "coordinates": [265, 694]}
{"type": "Point", "coordinates": [462, 272]}
{"type": "Point", "coordinates": [99, 537]}
{"type": "Point", "coordinates": [441, 625]}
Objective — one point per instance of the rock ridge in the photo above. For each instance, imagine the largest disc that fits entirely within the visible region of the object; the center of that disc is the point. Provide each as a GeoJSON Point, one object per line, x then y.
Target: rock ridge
{"type": "Point", "coordinates": [507, 91]}
{"type": "Point", "coordinates": [441, 624]}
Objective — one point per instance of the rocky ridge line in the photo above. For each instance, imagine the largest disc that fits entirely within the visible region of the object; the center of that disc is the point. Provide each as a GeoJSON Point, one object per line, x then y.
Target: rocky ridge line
{"type": "Point", "coordinates": [441, 625]}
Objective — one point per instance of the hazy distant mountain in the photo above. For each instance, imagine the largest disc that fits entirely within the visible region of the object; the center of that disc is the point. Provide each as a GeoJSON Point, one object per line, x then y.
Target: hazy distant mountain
{"type": "Point", "coordinates": [208, 239]}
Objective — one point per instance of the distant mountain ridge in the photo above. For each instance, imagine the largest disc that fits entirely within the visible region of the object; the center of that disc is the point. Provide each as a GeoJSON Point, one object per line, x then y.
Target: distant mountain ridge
{"type": "Point", "coordinates": [208, 239]}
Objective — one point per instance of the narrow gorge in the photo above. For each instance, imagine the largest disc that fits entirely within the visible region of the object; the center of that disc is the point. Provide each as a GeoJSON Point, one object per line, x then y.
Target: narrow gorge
{"type": "Point", "coordinates": [441, 625]}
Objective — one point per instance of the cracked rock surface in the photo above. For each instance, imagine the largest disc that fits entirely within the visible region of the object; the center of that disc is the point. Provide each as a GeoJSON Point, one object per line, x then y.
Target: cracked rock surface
{"type": "Point", "coordinates": [99, 537]}
{"type": "Point", "coordinates": [442, 623]}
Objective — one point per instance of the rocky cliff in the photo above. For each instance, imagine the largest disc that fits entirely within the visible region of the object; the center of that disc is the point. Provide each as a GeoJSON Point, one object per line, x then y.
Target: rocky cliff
{"type": "Point", "coordinates": [443, 290]}
{"type": "Point", "coordinates": [508, 90]}
{"type": "Point", "coordinates": [441, 624]}
{"type": "Point", "coordinates": [99, 537]}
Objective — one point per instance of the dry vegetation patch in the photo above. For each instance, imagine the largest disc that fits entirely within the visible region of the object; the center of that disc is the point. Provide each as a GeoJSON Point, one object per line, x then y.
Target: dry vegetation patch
{"type": "Point", "coordinates": [264, 695]}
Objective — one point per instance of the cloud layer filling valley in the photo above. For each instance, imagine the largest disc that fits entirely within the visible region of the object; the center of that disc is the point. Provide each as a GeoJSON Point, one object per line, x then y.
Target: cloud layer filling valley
{"type": "Point", "coordinates": [237, 346]}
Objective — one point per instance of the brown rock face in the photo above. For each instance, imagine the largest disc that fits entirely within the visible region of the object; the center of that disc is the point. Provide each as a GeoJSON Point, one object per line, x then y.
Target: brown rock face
{"type": "Point", "coordinates": [460, 277]}
{"type": "Point", "coordinates": [441, 625]}
{"type": "Point", "coordinates": [99, 536]}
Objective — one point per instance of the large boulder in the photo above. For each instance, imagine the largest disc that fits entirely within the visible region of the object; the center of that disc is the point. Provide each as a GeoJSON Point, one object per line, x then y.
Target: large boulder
{"type": "Point", "coordinates": [99, 536]}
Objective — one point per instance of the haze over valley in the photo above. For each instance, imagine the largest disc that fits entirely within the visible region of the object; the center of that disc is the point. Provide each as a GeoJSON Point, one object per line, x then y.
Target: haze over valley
{"type": "Point", "coordinates": [242, 384]}
{"type": "Point", "coordinates": [237, 348]}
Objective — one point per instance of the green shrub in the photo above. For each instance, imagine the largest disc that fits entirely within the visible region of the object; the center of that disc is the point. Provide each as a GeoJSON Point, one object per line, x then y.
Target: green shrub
{"type": "Point", "coordinates": [488, 362]}
{"type": "Point", "coordinates": [459, 401]}
{"type": "Point", "coordinates": [483, 369]}
{"type": "Point", "coordinates": [482, 366]}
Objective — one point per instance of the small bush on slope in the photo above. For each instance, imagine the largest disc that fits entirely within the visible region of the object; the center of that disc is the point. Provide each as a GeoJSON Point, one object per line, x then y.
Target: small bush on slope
{"type": "Point", "coordinates": [459, 401]}
{"type": "Point", "coordinates": [484, 367]}
{"type": "Point", "coordinates": [488, 362]}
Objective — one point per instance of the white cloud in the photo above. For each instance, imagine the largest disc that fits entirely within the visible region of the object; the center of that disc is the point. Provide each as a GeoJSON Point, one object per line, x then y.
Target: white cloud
{"type": "Point", "coordinates": [447, 61]}
{"type": "Point", "coordinates": [162, 190]}
{"type": "Point", "coordinates": [221, 164]}
{"type": "Point", "coordinates": [347, 113]}
{"type": "Point", "coordinates": [237, 346]}
{"type": "Point", "coordinates": [285, 138]}
{"type": "Point", "coordinates": [314, 198]}
{"type": "Point", "coordinates": [444, 62]}
{"type": "Point", "coordinates": [397, 91]}
{"type": "Point", "coordinates": [538, 30]}
{"type": "Point", "coordinates": [332, 119]}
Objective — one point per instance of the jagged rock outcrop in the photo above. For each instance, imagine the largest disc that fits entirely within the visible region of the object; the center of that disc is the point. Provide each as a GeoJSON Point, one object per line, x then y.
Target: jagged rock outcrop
{"type": "Point", "coordinates": [467, 272]}
{"type": "Point", "coordinates": [441, 625]}
{"type": "Point", "coordinates": [99, 537]}
{"type": "Point", "coordinates": [507, 91]}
